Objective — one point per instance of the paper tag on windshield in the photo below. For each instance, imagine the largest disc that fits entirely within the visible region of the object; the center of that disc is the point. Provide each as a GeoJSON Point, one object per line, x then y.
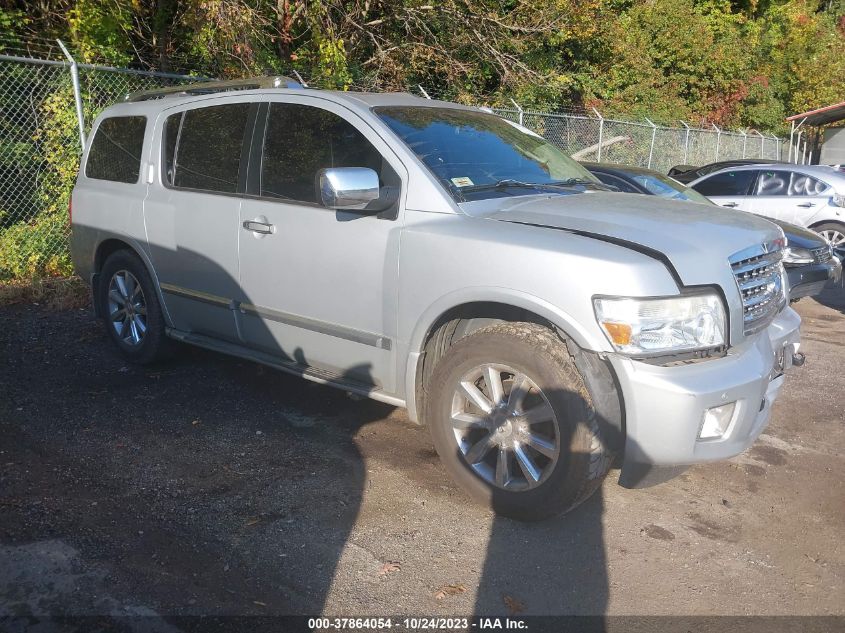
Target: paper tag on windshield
{"type": "Point", "coordinates": [463, 181]}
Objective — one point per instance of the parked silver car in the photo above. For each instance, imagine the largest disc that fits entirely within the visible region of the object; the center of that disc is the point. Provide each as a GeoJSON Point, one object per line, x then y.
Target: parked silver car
{"type": "Point", "coordinates": [812, 196]}
{"type": "Point", "coordinates": [437, 257]}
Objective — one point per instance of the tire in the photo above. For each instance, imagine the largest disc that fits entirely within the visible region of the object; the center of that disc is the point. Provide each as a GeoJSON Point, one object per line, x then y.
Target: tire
{"type": "Point", "coordinates": [571, 456]}
{"type": "Point", "coordinates": [834, 232]}
{"type": "Point", "coordinates": [143, 318]}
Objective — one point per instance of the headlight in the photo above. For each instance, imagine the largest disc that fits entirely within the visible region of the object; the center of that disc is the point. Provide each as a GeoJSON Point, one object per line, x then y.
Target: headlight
{"type": "Point", "coordinates": [838, 200]}
{"type": "Point", "coordinates": [795, 256]}
{"type": "Point", "coordinates": [666, 325]}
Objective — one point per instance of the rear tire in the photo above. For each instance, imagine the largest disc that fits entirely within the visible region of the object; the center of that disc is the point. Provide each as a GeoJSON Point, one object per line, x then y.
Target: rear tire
{"type": "Point", "coordinates": [528, 442]}
{"type": "Point", "coordinates": [128, 301]}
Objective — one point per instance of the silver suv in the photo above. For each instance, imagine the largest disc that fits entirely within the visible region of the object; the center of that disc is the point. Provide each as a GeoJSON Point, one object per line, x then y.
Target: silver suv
{"type": "Point", "coordinates": [437, 257]}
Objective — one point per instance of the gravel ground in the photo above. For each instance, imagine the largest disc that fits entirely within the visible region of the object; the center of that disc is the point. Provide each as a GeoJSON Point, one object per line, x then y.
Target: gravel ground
{"type": "Point", "coordinates": [209, 485]}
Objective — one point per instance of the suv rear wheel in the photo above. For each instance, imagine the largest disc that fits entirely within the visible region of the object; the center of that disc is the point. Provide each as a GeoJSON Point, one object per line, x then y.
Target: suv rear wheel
{"type": "Point", "coordinates": [130, 308]}
{"type": "Point", "coordinates": [513, 421]}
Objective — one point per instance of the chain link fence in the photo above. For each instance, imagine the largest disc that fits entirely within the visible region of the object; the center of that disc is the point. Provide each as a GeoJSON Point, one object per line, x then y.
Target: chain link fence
{"type": "Point", "coordinates": [40, 148]}
{"type": "Point", "coordinates": [591, 137]}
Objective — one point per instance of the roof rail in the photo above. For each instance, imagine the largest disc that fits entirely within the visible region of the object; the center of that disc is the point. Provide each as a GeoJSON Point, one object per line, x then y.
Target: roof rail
{"type": "Point", "coordinates": [208, 87]}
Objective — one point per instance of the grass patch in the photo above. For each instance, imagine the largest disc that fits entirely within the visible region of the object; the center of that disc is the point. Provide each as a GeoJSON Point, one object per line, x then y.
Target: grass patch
{"type": "Point", "coordinates": [54, 293]}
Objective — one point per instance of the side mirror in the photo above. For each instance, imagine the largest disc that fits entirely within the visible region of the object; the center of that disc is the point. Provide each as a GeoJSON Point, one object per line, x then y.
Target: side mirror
{"type": "Point", "coordinates": [351, 188]}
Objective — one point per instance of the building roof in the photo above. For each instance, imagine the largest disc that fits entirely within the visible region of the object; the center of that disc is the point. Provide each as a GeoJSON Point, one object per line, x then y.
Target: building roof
{"type": "Point", "coordinates": [821, 116]}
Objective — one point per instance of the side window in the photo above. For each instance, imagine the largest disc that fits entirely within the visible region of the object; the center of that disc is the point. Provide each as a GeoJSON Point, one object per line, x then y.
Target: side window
{"type": "Point", "coordinates": [300, 141]}
{"type": "Point", "coordinates": [210, 142]}
{"type": "Point", "coordinates": [802, 185]}
{"type": "Point", "coordinates": [785, 183]}
{"type": "Point", "coordinates": [614, 181]}
{"type": "Point", "coordinates": [115, 152]}
{"type": "Point", "coordinates": [171, 136]}
{"type": "Point", "coordinates": [773, 183]}
{"type": "Point", "coordinates": [727, 183]}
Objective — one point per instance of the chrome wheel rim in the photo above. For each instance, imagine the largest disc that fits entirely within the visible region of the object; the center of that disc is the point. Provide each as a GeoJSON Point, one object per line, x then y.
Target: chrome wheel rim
{"type": "Point", "coordinates": [127, 308]}
{"type": "Point", "coordinates": [504, 427]}
{"type": "Point", "coordinates": [835, 237]}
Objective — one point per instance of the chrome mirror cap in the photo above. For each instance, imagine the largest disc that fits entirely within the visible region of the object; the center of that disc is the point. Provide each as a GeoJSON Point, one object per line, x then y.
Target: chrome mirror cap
{"type": "Point", "coordinates": [348, 187]}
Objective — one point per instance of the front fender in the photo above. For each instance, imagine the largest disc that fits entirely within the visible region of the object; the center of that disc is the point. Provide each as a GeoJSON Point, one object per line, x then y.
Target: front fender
{"type": "Point", "coordinates": [487, 294]}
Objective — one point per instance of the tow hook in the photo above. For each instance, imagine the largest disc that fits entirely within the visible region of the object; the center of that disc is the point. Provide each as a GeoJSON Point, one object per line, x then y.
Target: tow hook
{"type": "Point", "coordinates": [798, 359]}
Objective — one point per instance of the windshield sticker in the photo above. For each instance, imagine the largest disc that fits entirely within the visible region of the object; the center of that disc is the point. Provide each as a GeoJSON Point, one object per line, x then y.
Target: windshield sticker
{"type": "Point", "coordinates": [462, 181]}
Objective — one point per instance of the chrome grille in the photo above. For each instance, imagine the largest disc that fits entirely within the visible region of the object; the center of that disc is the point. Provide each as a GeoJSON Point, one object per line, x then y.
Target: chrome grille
{"type": "Point", "coordinates": [821, 254]}
{"type": "Point", "coordinates": [759, 276]}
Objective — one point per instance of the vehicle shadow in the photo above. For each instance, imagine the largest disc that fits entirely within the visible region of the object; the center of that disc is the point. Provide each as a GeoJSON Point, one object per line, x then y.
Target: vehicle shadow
{"type": "Point", "coordinates": [223, 493]}
{"type": "Point", "coordinates": [559, 566]}
{"type": "Point", "coordinates": [833, 295]}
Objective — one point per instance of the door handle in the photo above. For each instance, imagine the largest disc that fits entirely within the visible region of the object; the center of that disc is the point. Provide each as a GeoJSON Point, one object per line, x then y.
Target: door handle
{"type": "Point", "coordinates": [259, 227]}
{"type": "Point", "coordinates": [807, 205]}
{"type": "Point", "coordinates": [730, 205]}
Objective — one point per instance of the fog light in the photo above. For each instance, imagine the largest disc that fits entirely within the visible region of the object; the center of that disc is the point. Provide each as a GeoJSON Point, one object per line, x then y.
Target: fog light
{"type": "Point", "coordinates": [716, 421]}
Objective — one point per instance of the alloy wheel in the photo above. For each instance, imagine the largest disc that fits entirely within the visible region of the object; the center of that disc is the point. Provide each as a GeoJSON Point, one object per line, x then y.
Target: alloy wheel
{"type": "Point", "coordinates": [127, 308]}
{"type": "Point", "coordinates": [504, 427]}
{"type": "Point", "coordinates": [835, 237]}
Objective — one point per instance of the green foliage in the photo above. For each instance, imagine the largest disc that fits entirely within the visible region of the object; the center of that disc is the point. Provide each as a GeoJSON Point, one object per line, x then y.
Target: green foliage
{"type": "Point", "coordinates": [28, 249]}
{"type": "Point", "coordinates": [731, 62]}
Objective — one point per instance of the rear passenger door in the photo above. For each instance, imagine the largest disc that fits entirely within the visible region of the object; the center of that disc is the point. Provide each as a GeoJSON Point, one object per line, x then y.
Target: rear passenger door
{"type": "Point", "coordinates": [787, 195]}
{"type": "Point", "coordinates": [729, 188]}
{"type": "Point", "coordinates": [192, 219]}
{"type": "Point", "coordinates": [320, 285]}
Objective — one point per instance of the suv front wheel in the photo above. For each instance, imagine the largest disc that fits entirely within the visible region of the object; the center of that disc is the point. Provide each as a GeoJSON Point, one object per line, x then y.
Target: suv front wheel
{"type": "Point", "coordinates": [513, 421]}
{"type": "Point", "coordinates": [130, 308]}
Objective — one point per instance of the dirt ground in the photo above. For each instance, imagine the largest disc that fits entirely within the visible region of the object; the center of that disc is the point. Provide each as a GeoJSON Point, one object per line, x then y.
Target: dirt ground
{"type": "Point", "coordinates": [209, 485]}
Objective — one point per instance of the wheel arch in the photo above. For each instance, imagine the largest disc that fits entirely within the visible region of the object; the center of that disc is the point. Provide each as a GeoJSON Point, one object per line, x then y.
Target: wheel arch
{"type": "Point", "coordinates": [108, 247]}
{"type": "Point", "coordinates": [460, 313]}
{"type": "Point", "coordinates": [838, 220]}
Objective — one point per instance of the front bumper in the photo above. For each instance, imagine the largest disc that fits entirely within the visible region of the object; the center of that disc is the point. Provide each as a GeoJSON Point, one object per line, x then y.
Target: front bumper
{"type": "Point", "coordinates": [809, 280]}
{"type": "Point", "coordinates": [665, 406]}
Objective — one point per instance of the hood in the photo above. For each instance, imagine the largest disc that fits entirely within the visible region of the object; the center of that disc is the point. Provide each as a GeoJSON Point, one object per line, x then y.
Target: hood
{"type": "Point", "coordinates": [694, 237]}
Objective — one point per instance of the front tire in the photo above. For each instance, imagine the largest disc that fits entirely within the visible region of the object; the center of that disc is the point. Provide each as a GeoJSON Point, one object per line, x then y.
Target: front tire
{"type": "Point", "coordinates": [131, 310]}
{"type": "Point", "coordinates": [514, 424]}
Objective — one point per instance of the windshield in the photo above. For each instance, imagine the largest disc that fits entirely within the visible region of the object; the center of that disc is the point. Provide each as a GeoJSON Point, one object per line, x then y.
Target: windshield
{"type": "Point", "coordinates": [479, 155]}
{"type": "Point", "coordinates": [667, 188]}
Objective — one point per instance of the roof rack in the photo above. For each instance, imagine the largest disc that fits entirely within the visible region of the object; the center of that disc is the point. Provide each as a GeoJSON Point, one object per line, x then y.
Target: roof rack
{"type": "Point", "coordinates": [209, 87]}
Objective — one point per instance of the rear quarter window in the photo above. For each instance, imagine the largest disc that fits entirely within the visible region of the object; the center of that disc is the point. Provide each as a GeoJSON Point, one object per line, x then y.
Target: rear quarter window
{"type": "Point", "coordinates": [115, 152]}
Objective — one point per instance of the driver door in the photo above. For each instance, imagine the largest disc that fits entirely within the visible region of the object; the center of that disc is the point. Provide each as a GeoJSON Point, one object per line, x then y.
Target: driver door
{"type": "Point", "coordinates": [320, 286]}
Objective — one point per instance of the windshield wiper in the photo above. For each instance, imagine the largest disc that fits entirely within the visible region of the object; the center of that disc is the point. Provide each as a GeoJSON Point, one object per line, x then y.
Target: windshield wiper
{"type": "Point", "coordinates": [510, 183]}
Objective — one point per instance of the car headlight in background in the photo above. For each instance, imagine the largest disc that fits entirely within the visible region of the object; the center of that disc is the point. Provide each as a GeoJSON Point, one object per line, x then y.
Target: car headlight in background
{"type": "Point", "coordinates": [838, 200]}
{"type": "Point", "coordinates": [796, 256]}
{"type": "Point", "coordinates": [663, 325]}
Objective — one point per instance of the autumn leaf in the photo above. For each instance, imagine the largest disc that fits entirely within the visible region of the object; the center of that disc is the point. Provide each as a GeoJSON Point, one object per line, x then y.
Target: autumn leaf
{"type": "Point", "coordinates": [389, 567]}
{"type": "Point", "coordinates": [514, 606]}
{"type": "Point", "coordinates": [449, 590]}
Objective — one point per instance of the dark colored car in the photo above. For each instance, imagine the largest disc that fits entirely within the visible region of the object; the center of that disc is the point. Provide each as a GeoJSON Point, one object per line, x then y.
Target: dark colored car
{"type": "Point", "coordinates": [809, 259]}
{"type": "Point", "coordinates": [688, 173]}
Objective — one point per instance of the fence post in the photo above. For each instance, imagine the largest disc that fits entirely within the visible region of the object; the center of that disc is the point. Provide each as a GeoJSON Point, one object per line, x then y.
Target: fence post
{"type": "Point", "coordinates": [791, 133]}
{"type": "Point", "coordinates": [653, 138]}
{"type": "Point", "coordinates": [518, 109]}
{"type": "Point", "coordinates": [422, 90]}
{"type": "Point", "coordinates": [744, 140]}
{"type": "Point", "coordinates": [601, 133]}
{"type": "Point", "coordinates": [686, 143]}
{"type": "Point", "coordinates": [777, 147]}
{"type": "Point", "coordinates": [762, 142]}
{"type": "Point", "coordinates": [77, 95]}
{"type": "Point", "coordinates": [718, 140]}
